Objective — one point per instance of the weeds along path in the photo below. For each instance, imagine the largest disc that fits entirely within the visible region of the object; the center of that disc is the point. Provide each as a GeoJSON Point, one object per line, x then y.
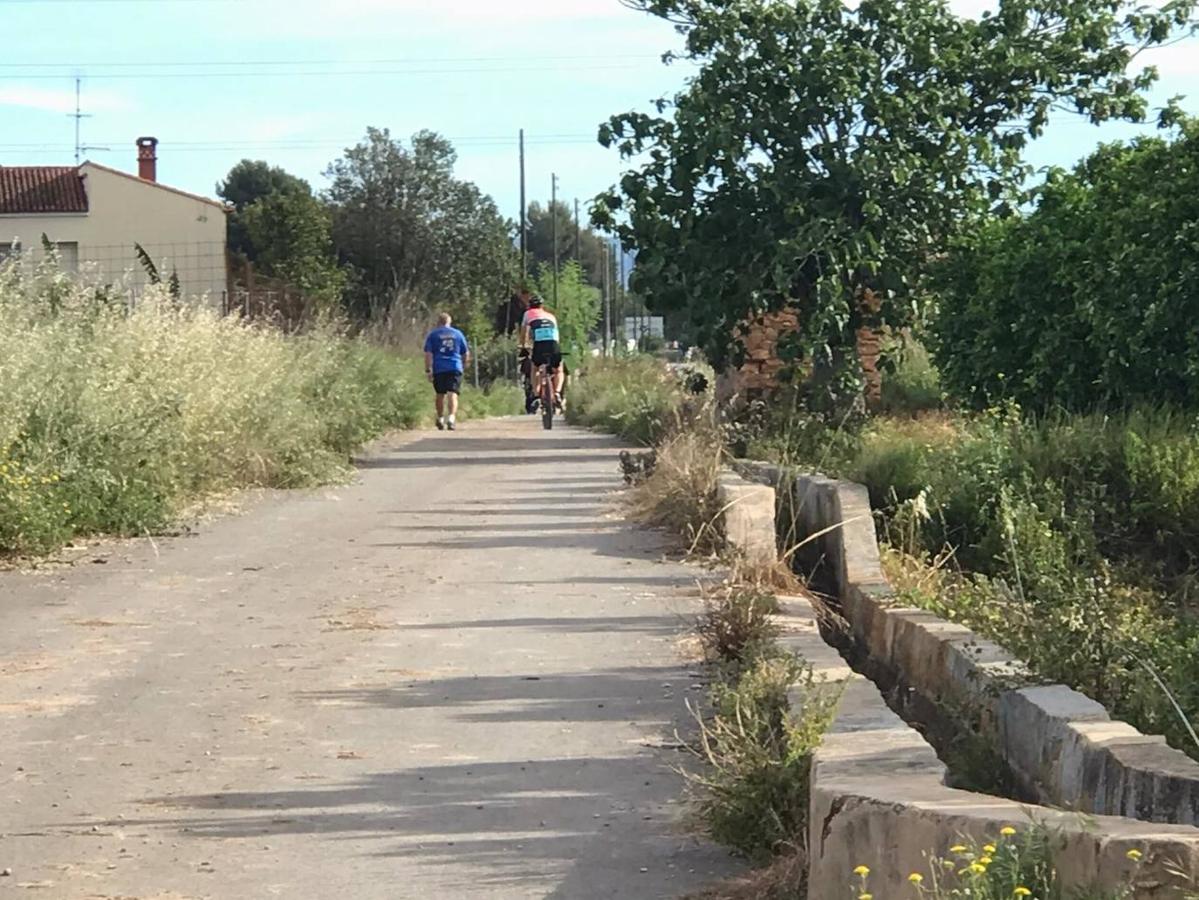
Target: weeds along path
{"type": "Point", "coordinates": [454, 678]}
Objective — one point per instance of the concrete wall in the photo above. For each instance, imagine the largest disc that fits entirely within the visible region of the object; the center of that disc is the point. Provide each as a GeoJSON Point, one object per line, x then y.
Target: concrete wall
{"type": "Point", "coordinates": [1063, 748]}
{"type": "Point", "coordinates": [747, 513]}
{"type": "Point", "coordinates": [180, 232]}
{"type": "Point", "coordinates": [878, 798]}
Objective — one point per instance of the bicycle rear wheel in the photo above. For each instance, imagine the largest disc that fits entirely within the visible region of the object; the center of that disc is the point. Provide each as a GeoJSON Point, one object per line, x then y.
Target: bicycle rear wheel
{"type": "Point", "coordinates": [547, 401]}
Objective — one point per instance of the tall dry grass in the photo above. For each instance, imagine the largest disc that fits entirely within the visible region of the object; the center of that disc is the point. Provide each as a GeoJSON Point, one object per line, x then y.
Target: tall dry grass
{"type": "Point", "coordinates": [114, 419]}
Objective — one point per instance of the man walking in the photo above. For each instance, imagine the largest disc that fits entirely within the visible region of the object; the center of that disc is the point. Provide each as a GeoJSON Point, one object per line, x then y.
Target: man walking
{"type": "Point", "coordinates": [446, 356]}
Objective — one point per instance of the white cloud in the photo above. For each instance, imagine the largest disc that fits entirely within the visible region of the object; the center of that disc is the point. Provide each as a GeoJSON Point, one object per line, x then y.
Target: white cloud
{"type": "Point", "coordinates": [61, 100]}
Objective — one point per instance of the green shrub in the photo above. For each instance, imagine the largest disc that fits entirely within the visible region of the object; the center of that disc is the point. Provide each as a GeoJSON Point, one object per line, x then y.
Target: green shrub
{"type": "Point", "coordinates": [912, 383]}
{"type": "Point", "coordinates": [497, 360]}
{"type": "Point", "coordinates": [736, 622]}
{"type": "Point", "coordinates": [500, 399]}
{"type": "Point", "coordinates": [754, 795]}
{"type": "Point", "coordinates": [637, 398]}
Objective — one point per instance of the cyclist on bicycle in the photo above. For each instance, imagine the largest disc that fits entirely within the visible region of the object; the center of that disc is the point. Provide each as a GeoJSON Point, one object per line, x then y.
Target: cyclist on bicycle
{"type": "Point", "coordinates": [540, 326]}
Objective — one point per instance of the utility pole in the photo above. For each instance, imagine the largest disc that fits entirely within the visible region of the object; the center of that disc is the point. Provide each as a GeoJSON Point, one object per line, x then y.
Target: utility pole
{"type": "Point", "coordinates": [624, 296]}
{"type": "Point", "coordinates": [618, 332]}
{"type": "Point", "coordinates": [554, 230]}
{"type": "Point", "coordinates": [604, 289]}
{"type": "Point", "coordinates": [524, 228]}
{"type": "Point", "coordinates": [578, 234]}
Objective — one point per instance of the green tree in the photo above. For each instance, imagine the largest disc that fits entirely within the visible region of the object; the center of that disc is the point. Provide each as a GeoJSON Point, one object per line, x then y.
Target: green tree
{"type": "Point", "coordinates": [822, 155]}
{"type": "Point", "coordinates": [1089, 299]}
{"type": "Point", "coordinates": [416, 235]}
{"type": "Point", "coordinates": [541, 240]}
{"type": "Point", "coordinates": [577, 307]}
{"type": "Point", "coordinates": [246, 183]}
{"type": "Point", "coordinates": [290, 232]}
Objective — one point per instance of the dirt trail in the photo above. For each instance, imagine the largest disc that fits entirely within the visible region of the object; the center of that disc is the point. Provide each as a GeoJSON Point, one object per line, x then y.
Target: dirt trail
{"type": "Point", "coordinates": [456, 677]}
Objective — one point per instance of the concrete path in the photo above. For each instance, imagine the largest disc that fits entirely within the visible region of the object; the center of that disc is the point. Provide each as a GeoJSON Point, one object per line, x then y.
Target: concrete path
{"type": "Point", "coordinates": [453, 678]}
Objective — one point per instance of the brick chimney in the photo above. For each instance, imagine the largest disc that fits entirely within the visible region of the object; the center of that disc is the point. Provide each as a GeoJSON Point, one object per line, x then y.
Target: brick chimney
{"type": "Point", "coordinates": [147, 158]}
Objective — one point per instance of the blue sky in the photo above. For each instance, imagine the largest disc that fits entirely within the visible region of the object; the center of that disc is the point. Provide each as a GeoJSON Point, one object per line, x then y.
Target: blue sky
{"type": "Point", "coordinates": [296, 81]}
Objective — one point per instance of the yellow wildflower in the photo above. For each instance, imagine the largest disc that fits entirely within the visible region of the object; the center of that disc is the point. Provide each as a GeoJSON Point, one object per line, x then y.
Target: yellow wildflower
{"type": "Point", "coordinates": [1022, 892]}
{"type": "Point", "coordinates": [988, 848]}
{"type": "Point", "coordinates": [915, 878]}
{"type": "Point", "coordinates": [957, 848]}
{"type": "Point", "coordinates": [1008, 831]}
{"type": "Point", "coordinates": [978, 868]}
{"type": "Point", "coordinates": [1134, 855]}
{"type": "Point", "coordinates": [865, 896]}
{"type": "Point", "coordinates": [986, 861]}
{"type": "Point", "coordinates": [948, 864]}
{"type": "Point", "coordinates": [862, 870]}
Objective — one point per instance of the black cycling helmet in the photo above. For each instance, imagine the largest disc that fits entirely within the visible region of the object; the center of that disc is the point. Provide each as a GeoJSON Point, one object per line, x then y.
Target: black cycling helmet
{"type": "Point", "coordinates": [536, 301]}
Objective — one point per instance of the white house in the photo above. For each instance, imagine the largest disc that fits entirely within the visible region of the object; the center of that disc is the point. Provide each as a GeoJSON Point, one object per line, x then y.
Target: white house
{"type": "Point", "coordinates": [96, 216]}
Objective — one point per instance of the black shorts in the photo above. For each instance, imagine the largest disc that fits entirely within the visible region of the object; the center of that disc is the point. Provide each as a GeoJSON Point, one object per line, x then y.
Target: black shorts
{"type": "Point", "coordinates": [547, 353]}
{"type": "Point", "coordinates": [447, 382]}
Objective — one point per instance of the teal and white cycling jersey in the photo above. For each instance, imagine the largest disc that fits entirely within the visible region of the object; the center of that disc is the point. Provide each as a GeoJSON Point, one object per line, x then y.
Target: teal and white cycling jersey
{"type": "Point", "coordinates": [542, 325]}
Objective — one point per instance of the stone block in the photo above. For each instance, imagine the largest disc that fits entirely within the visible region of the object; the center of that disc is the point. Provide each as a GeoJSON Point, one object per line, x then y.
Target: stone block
{"type": "Point", "coordinates": [747, 511]}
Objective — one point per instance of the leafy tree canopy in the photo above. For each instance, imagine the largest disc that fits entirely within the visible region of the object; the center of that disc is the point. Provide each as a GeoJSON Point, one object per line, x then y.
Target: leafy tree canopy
{"type": "Point", "coordinates": [541, 240]}
{"type": "Point", "coordinates": [249, 181]}
{"type": "Point", "coordinates": [822, 150]}
{"type": "Point", "coordinates": [1091, 298]}
{"type": "Point", "coordinates": [290, 232]}
{"type": "Point", "coordinates": [416, 235]}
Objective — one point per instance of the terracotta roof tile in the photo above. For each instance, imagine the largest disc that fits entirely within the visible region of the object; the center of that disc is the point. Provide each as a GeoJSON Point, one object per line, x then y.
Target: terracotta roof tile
{"type": "Point", "coordinates": [41, 189]}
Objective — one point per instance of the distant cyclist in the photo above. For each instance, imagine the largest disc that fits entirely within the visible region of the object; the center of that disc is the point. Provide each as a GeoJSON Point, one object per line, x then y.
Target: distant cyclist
{"type": "Point", "coordinates": [540, 327]}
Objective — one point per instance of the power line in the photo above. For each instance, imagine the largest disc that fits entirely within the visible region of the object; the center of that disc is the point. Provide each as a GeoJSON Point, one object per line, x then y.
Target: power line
{"type": "Point", "coordinates": [311, 73]}
{"type": "Point", "coordinates": [314, 144]}
{"type": "Point", "coordinates": [281, 147]}
{"type": "Point", "coordinates": [88, 2]}
{"type": "Point", "coordinates": [142, 64]}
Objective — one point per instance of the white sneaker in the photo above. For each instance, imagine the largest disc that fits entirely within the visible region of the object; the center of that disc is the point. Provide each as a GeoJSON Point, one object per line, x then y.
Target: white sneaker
{"type": "Point", "coordinates": [440, 424]}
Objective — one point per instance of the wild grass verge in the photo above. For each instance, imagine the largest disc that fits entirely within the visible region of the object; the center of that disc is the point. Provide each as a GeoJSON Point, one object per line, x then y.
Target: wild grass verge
{"type": "Point", "coordinates": [1070, 539]}
{"type": "Point", "coordinates": [750, 791]}
{"type": "Point", "coordinates": [114, 420]}
{"type": "Point", "coordinates": [638, 398]}
{"type": "Point", "coordinates": [680, 492]}
{"type": "Point", "coordinates": [1014, 864]}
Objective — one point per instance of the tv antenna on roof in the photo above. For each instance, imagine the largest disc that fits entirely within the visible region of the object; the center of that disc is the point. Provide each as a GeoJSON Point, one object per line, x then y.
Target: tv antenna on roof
{"type": "Point", "coordinates": [79, 115]}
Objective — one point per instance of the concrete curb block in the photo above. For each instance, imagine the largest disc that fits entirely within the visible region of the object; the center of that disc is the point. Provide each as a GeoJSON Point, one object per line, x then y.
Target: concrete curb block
{"type": "Point", "coordinates": [878, 798]}
{"type": "Point", "coordinates": [1062, 746]}
{"type": "Point", "coordinates": [747, 509]}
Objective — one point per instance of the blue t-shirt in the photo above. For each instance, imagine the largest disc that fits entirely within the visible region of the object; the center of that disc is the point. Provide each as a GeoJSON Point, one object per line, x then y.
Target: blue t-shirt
{"type": "Point", "coordinates": [448, 346]}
